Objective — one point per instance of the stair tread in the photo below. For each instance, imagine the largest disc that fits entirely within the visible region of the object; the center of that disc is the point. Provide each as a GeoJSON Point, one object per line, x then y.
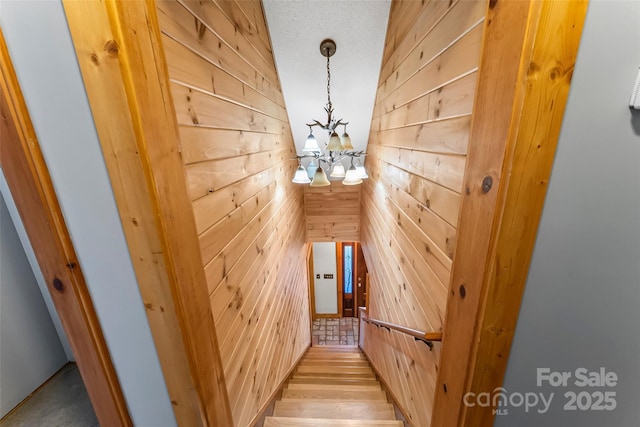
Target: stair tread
{"type": "Point", "coordinates": [336, 356]}
{"type": "Point", "coordinates": [320, 422]}
{"type": "Point", "coordinates": [335, 348]}
{"type": "Point", "coordinates": [333, 375]}
{"type": "Point", "coordinates": [340, 386]}
{"type": "Point", "coordinates": [335, 364]}
{"type": "Point", "coordinates": [341, 355]}
{"type": "Point", "coordinates": [331, 394]}
{"type": "Point", "coordinates": [332, 368]}
{"type": "Point", "coordinates": [332, 409]}
{"type": "Point", "coordinates": [334, 381]}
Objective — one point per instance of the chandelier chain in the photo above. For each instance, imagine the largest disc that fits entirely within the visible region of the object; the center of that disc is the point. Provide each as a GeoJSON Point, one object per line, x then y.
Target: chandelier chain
{"type": "Point", "coordinates": [328, 82]}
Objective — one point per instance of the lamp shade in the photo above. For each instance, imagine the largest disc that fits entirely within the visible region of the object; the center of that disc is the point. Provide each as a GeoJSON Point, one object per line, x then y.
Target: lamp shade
{"type": "Point", "coordinates": [338, 171]}
{"type": "Point", "coordinates": [301, 176]}
{"type": "Point", "coordinates": [352, 177]}
{"type": "Point", "coordinates": [319, 179]}
{"type": "Point", "coordinates": [311, 169]}
{"type": "Point", "coordinates": [346, 141]}
{"type": "Point", "coordinates": [334, 143]}
{"type": "Point", "coordinates": [311, 145]}
{"type": "Point", "coordinates": [361, 170]}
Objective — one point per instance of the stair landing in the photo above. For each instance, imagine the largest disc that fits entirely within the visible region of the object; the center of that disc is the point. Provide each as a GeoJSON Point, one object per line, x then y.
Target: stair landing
{"type": "Point", "coordinates": [333, 386]}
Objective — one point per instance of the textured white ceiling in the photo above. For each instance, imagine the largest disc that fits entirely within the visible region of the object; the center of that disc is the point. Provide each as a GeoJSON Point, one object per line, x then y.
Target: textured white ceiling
{"type": "Point", "coordinates": [358, 27]}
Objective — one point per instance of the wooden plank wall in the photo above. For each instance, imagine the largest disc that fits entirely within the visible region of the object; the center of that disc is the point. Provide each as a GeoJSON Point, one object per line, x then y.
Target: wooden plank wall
{"type": "Point", "coordinates": [237, 148]}
{"type": "Point", "coordinates": [333, 213]}
{"type": "Point", "coordinates": [417, 155]}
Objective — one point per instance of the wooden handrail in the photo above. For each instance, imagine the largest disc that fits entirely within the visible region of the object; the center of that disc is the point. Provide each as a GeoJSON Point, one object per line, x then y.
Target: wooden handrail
{"type": "Point", "coordinates": [426, 337]}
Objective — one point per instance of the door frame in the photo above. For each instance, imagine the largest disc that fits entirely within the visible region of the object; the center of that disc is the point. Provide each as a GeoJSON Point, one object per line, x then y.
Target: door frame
{"type": "Point", "coordinates": [360, 266]}
{"type": "Point", "coordinates": [31, 187]}
{"type": "Point", "coordinates": [312, 285]}
{"type": "Point", "coordinates": [340, 268]}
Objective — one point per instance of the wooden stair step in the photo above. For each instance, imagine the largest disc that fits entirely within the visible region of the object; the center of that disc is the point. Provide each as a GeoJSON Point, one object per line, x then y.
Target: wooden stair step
{"type": "Point", "coordinates": [334, 349]}
{"type": "Point", "coordinates": [318, 422]}
{"type": "Point", "coordinates": [334, 393]}
{"type": "Point", "coordinates": [334, 409]}
{"type": "Point", "coordinates": [302, 369]}
{"type": "Point", "coordinates": [329, 357]}
{"type": "Point", "coordinates": [343, 348]}
{"type": "Point", "coordinates": [373, 386]}
{"type": "Point", "coordinates": [353, 363]}
{"type": "Point", "coordinates": [347, 352]}
{"type": "Point", "coordinates": [333, 375]}
{"type": "Point", "coordinates": [341, 354]}
{"type": "Point", "coordinates": [335, 381]}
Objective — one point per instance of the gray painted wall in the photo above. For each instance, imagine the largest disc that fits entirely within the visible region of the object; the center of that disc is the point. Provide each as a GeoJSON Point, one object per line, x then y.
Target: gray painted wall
{"type": "Point", "coordinates": [581, 308]}
{"type": "Point", "coordinates": [30, 351]}
{"type": "Point", "coordinates": [41, 49]}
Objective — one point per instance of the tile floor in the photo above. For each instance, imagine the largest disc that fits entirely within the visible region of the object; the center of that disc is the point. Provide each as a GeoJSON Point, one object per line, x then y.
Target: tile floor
{"type": "Point", "coordinates": [343, 331]}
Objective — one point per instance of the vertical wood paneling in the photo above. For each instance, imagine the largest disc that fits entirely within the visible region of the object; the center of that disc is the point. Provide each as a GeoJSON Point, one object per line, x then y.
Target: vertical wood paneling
{"type": "Point", "coordinates": [237, 150]}
{"type": "Point", "coordinates": [417, 157]}
{"type": "Point", "coordinates": [529, 55]}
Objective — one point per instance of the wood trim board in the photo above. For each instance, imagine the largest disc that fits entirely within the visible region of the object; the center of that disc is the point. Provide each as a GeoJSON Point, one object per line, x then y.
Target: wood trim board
{"type": "Point", "coordinates": [30, 184]}
{"type": "Point", "coordinates": [529, 52]}
{"type": "Point", "coordinates": [122, 62]}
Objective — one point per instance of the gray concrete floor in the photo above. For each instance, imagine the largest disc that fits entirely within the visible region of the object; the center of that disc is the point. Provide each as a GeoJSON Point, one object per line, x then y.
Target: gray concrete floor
{"type": "Point", "coordinates": [61, 402]}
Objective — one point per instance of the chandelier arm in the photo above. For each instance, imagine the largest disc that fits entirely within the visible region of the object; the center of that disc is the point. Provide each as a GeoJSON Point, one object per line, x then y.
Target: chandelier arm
{"type": "Point", "coordinates": [317, 123]}
{"type": "Point", "coordinates": [340, 123]}
{"type": "Point", "coordinates": [323, 159]}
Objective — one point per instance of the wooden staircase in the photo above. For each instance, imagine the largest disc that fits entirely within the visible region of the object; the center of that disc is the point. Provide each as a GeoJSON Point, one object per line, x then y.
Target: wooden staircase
{"type": "Point", "coordinates": [333, 386]}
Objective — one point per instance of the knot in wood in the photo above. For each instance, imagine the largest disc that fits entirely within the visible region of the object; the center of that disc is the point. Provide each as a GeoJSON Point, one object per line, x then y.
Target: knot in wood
{"type": "Point", "coordinates": [112, 47]}
{"type": "Point", "coordinates": [487, 183]}
{"type": "Point", "coordinates": [58, 285]}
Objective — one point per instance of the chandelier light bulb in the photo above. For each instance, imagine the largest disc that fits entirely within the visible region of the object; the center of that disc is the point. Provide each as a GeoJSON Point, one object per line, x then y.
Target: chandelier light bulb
{"type": "Point", "coordinates": [352, 177]}
{"type": "Point", "coordinates": [319, 179]}
{"type": "Point", "coordinates": [346, 140]}
{"type": "Point", "coordinates": [301, 176]}
{"type": "Point", "coordinates": [311, 145]}
{"type": "Point", "coordinates": [338, 171]}
{"type": "Point", "coordinates": [311, 169]}
{"type": "Point", "coordinates": [362, 172]}
{"type": "Point", "coordinates": [334, 143]}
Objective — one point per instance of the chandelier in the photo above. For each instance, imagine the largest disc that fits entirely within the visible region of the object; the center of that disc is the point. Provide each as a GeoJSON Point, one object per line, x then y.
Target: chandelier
{"type": "Point", "coordinates": [335, 149]}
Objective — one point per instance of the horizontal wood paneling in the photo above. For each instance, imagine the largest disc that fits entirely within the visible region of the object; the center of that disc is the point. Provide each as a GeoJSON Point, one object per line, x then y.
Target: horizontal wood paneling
{"type": "Point", "coordinates": [410, 205]}
{"type": "Point", "coordinates": [333, 213]}
{"type": "Point", "coordinates": [237, 149]}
